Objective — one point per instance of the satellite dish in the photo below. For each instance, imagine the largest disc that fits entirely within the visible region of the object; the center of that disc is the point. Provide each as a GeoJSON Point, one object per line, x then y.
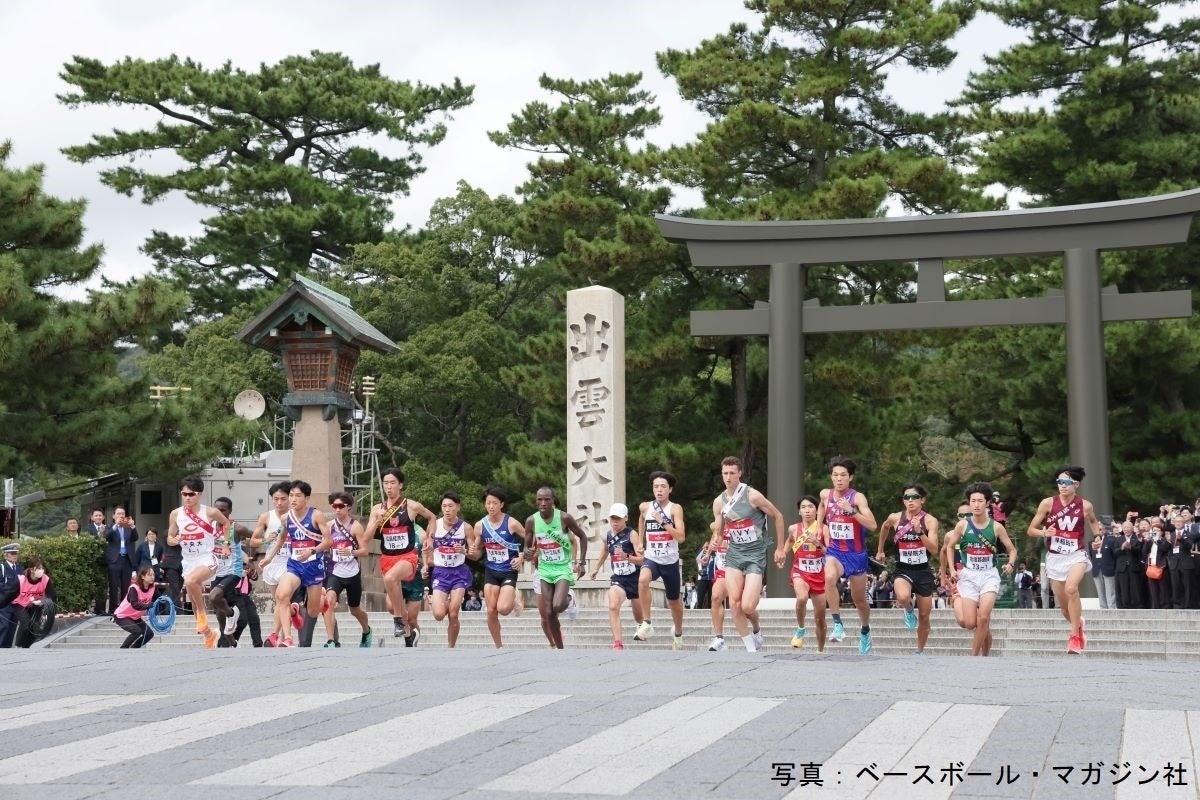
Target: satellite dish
{"type": "Point", "coordinates": [249, 404]}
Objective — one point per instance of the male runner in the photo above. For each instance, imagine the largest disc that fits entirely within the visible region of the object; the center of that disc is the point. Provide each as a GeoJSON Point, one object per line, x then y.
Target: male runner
{"type": "Point", "coordinates": [392, 523]}
{"type": "Point", "coordinates": [348, 543]}
{"type": "Point", "coordinates": [808, 540]}
{"type": "Point", "coordinates": [503, 541]}
{"type": "Point", "coordinates": [192, 527]}
{"type": "Point", "coordinates": [227, 550]}
{"type": "Point", "coordinates": [266, 532]}
{"type": "Point", "coordinates": [719, 590]}
{"type": "Point", "coordinates": [742, 512]}
{"type": "Point", "coordinates": [619, 548]}
{"type": "Point", "coordinates": [1061, 520]}
{"type": "Point", "coordinates": [849, 519]}
{"type": "Point", "coordinates": [555, 536]}
{"type": "Point", "coordinates": [307, 532]}
{"type": "Point", "coordinates": [978, 580]}
{"type": "Point", "coordinates": [446, 550]}
{"type": "Point", "coordinates": [916, 536]}
{"type": "Point", "coordinates": [660, 530]}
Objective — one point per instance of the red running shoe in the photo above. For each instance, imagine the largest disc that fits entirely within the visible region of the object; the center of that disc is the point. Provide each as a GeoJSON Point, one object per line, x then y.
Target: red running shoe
{"type": "Point", "coordinates": [1073, 645]}
{"type": "Point", "coordinates": [297, 619]}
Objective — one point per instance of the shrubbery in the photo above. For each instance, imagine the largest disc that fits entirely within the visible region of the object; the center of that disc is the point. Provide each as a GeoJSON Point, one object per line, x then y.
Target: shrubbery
{"type": "Point", "coordinates": [73, 563]}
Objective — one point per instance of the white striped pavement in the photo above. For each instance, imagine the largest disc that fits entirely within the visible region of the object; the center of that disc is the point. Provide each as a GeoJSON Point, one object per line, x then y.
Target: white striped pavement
{"type": "Point", "coordinates": [643, 747]}
{"type": "Point", "coordinates": [62, 761]}
{"type": "Point", "coordinates": [16, 717]}
{"type": "Point", "coordinates": [1150, 739]}
{"type": "Point", "coordinates": [341, 757]}
{"type": "Point", "coordinates": [900, 738]}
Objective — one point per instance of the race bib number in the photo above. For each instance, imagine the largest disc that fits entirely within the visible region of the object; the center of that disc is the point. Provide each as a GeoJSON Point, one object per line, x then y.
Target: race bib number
{"type": "Point", "coordinates": [742, 532]}
{"type": "Point", "coordinates": [979, 558]}
{"type": "Point", "coordinates": [1063, 544]}
{"type": "Point", "coordinates": [842, 531]}
{"type": "Point", "coordinates": [811, 565]}
{"type": "Point", "coordinates": [192, 545]}
{"type": "Point", "coordinates": [622, 565]}
{"type": "Point", "coordinates": [343, 555]}
{"type": "Point", "coordinates": [914, 555]}
{"type": "Point", "coordinates": [719, 564]}
{"type": "Point", "coordinates": [659, 544]}
{"type": "Point", "coordinates": [551, 551]}
{"type": "Point", "coordinates": [396, 540]}
{"type": "Point", "coordinates": [497, 554]}
{"type": "Point", "coordinates": [448, 557]}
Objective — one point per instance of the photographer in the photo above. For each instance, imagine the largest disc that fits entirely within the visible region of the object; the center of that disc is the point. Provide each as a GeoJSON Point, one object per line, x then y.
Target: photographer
{"type": "Point", "coordinates": [1104, 571]}
{"type": "Point", "coordinates": [1158, 575]}
{"type": "Point", "coordinates": [1127, 550]}
{"type": "Point", "coordinates": [1180, 540]}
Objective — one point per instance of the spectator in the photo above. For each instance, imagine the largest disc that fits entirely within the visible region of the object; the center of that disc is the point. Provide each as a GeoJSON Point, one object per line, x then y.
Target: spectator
{"type": "Point", "coordinates": [1036, 588]}
{"type": "Point", "coordinates": [996, 509]}
{"type": "Point", "coordinates": [1128, 551]}
{"type": "Point", "coordinates": [119, 549]}
{"type": "Point", "coordinates": [472, 602]}
{"type": "Point", "coordinates": [704, 578]}
{"type": "Point", "coordinates": [96, 528]}
{"type": "Point", "coordinates": [72, 528]}
{"type": "Point", "coordinates": [171, 565]}
{"type": "Point", "coordinates": [34, 604]}
{"type": "Point", "coordinates": [883, 591]}
{"type": "Point", "coordinates": [10, 587]}
{"type": "Point", "coordinates": [1158, 577]}
{"type": "Point", "coordinates": [1104, 572]}
{"type": "Point", "coordinates": [150, 554]}
{"type": "Point", "coordinates": [1024, 581]}
{"type": "Point", "coordinates": [1181, 565]}
{"type": "Point", "coordinates": [689, 595]}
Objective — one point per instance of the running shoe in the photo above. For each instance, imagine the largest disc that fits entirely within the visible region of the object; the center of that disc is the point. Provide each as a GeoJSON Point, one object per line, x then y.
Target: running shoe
{"type": "Point", "coordinates": [297, 620]}
{"type": "Point", "coordinates": [618, 645]}
{"type": "Point", "coordinates": [210, 640]}
{"type": "Point", "coordinates": [918, 652]}
{"type": "Point", "coordinates": [839, 632]}
{"type": "Point", "coordinates": [644, 632]}
{"type": "Point", "coordinates": [864, 644]}
{"type": "Point", "coordinates": [368, 638]}
{"type": "Point", "coordinates": [717, 644]}
{"type": "Point", "coordinates": [572, 606]}
{"type": "Point", "coordinates": [798, 639]}
{"type": "Point", "coordinates": [677, 643]}
{"type": "Point", "coordinates": [412, 639]}
{"type": "Point", "coordinates": [910, 618]}
{"type": "Point", "coordinates": [398, 628]}
{"type": "Point", "coordinates": [271, 641]}
{"type": "Point", "coordinates": [231, 623]}
{"type": "Point", "coordinates": [286, 642]}
{"type": "Point", "coordinates": [1073, 645]}
{"type": "Point", "coordinates": [758, 640]}
{"type": "Point", "coordinates": [1082, 633]}
{"type": "Point", "coordinates": [331, 644]}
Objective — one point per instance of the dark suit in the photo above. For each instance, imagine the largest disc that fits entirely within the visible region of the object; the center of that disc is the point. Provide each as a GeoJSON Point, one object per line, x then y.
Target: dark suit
{"type": "Point", "coordinates": [1127, 551]}
{"type": "Point", "coordinates": [9, 587]}
{"type": "Point", "coordinates": [1182, 567]}
{"type": "Point", "coordinates": [1160, 590]}
{"type": "Point", "coordinates": [120, 546]}
{"type": "Point", "coordinates": [148, 555]}
{"type": "Point", "coordinates": [89, 529]}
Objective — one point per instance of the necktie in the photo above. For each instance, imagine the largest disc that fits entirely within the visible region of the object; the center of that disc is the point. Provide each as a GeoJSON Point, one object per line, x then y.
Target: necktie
{"type": "Point", "coordinates": [122, 532]}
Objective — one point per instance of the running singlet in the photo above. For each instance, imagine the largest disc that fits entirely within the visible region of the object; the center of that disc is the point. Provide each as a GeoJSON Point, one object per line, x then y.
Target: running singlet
{"type": "Point", "coordinates": [196, 533]}
{"type": "Point", "coordinates": [809, 552]}
{"type": "Point", "coordinates": [1066, 526]}
{"type": "Point", "coordinates": [274, 528]}
{"type": "Point", "coordinates": [395, 535]}
{"type": "Point", "coordinates": [228, 554]}
{"type": "Point", "coordinates": [845, 535]}
{"type": "Point", "coordinates": [449, 546]}
{"type": "Point", "coordinates": [500, 545]}
{"type": "Point", "coordinates": [620, 548]}
{"type": "Point", "coordinates": [979, 546]}
{"type": "Point", "coordinates": [744, 524]}
{"type": "Point", "coordinates": [301, 535]}
{"type": "Point", "coordinates": [911, 550]}
{"type": "Point", "coordinates": [553, 545]}
{"type": "Point", "coordinates": [345, 563]}
{"type": "Point", "coordinates": [661, 546]}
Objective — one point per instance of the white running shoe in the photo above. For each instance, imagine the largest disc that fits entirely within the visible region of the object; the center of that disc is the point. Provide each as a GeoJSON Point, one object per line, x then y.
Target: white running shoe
{"type": "Point", "coordinates": [644, 631]}
{"type": "Point", "coordinates": [758, 640]}
{"type": "Point", "coordinates": [717, 644]}
{"type": "Point", "coordinates": [231, 623]}
{"type": "Point", "coordinates": [572, 606]}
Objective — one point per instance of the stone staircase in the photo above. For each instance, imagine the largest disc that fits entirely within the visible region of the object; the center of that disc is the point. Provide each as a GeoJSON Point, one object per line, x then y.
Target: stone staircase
{"type": "Point", "coordinates": [1173, 635]}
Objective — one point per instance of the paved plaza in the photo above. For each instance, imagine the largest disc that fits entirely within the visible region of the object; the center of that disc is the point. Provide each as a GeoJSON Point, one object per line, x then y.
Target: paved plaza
{"type": "Point", "coordinates": [391, 722]}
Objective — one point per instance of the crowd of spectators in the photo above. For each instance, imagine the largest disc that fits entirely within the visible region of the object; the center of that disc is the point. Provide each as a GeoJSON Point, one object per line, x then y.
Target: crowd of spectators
{"type": "Point", "coordinates": [1149, 562]}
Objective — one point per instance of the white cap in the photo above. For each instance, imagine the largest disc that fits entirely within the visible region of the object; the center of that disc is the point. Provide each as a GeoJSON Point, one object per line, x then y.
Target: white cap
{"type": "Point", "coordinates": [618, 510]}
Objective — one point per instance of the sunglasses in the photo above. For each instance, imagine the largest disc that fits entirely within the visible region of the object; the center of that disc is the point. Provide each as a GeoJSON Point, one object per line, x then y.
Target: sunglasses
{"type": "Point", "coordinates": [337, 505]}
{"type": "Point", "coordinates": [964, 515]}
{"type": "Point", "coordinates": [1065, 482]}
{"type": "Point", "coordinates": [911, 496]}
{"type": "Point", "coordinates": [189, 494]}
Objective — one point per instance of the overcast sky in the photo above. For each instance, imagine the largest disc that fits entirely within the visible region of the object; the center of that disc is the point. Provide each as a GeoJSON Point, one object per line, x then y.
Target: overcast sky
{"type": "Point", "coordinates": [499, 47]}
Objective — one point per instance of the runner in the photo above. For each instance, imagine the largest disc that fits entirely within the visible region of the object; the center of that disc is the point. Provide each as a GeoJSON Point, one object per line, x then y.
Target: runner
{"type": "Point", "coordinates": [266, 531]}
{"type": "Point", "coordinates": [619, 548]}
{"type": "Point", "coordinates": [719, 591]}
{"type": "Point", "coordinates": [555, 536]}
{"type": "Point", "coordinates": [849, 520]}
{"type": "Point", "coordinates": [446, 551]}
{"type": "Point", "coordinates": [916, 536]}
{"type": "Point", "coordinates": [978, 580]}
{"type": "Point", "coordinates": [306, 531]}
{"type": "Point", "coordinates": [742, 513]}
{"type": "Point", "coordinates": [1061, 521]}
{"type": "Point", "coordinates": [808, 539]}
{"type": "Point", "coordinates": [348, 543]}
{"type": "Point", "coordinates": [953, 555]}
{"type": "Point", "coordinates": [503, 541]}
{"type": "Point", "coordinates": [392, 522]}
{"type": "Point", "coordinates": [191, 527]}
{"type": "Point", "coordinates": [223, 595]}
{"type": "Point", "coordinates": [660, 530]}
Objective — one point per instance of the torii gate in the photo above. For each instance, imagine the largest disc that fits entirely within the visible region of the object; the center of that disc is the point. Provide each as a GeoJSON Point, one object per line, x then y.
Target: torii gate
{"type": "Point", "coordinates": [1078, 232]}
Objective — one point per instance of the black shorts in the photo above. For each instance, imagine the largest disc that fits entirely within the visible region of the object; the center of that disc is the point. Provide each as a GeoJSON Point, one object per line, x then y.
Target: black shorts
{"type": "Point", "coordinates": [352, 586]}
{"type": "Point", "coordinates": [669, 573]}
{"type": "Point", "coordinates": [921, 581]}
{"type": "Point", "coordinates": [628, 583]}
{"type": "Point", "coordinates": [414, 590]}
{"type": "Point", "coordinates": [493, 578]}
{"type": "Point", "coordinates": [228, 586]}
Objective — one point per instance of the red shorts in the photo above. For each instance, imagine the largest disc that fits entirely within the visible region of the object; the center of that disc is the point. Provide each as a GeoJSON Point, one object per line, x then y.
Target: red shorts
{"type": "Point", "coordinates": [387, 562]}
{"type": "Point", "coordinates": [815, 580]}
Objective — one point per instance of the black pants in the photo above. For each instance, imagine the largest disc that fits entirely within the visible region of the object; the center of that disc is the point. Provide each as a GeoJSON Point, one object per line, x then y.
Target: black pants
{"type": "Point", "coordinates": [1183, 589]}
{"type": "Point", "coordinates": [1160, 591]}
{"type": "Point", "coordinates": [119, 577]}
{"type": "Point", "coordinates": [139, 632]}
{"type": "Point", "coordinates": [23, 616]}
{"type": "Point", "coordinates": [703, 594]}
{"type": "Point", "coordinates": [247, 618]}
{"type": "Point", "coordinates": [1128, 594]}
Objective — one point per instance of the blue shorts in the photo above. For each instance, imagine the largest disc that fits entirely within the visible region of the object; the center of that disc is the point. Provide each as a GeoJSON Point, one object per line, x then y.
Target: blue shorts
{"type": "Point", "coordinates": [627, 582]}
{"type": "Point", "coordinates": [668, 573]}
{"type": "Point", "coordinates": [310, 573]}
{"type": "Point", "coordinates": [852, 563]}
